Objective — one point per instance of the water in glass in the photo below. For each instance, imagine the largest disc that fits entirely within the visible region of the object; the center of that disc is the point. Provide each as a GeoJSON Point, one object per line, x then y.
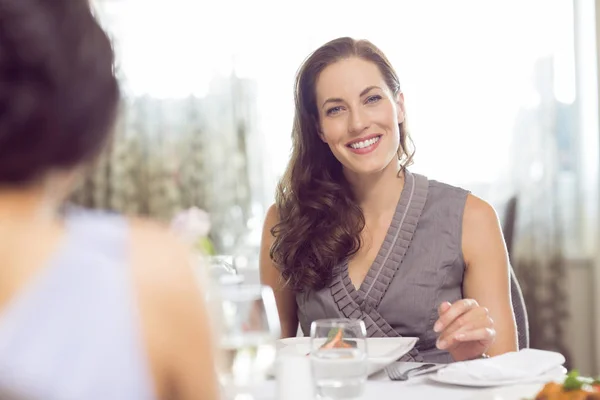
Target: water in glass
{"type": "Point", "coordinates": [339, 358]}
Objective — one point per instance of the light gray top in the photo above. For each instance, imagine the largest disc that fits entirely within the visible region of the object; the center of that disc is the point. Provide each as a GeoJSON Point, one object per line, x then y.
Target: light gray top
{"type": "Point", "coordinates": [74, 332]}
{"type": "Point", "coordinates": [419, 265]}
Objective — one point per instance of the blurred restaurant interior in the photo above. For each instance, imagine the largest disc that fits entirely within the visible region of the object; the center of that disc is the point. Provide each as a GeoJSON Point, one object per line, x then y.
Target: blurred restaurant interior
{"type": "Point", "coordinates": [502, 98]}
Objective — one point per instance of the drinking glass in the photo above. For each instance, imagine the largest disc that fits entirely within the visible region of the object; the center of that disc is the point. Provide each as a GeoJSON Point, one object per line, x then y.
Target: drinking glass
{"type": "Point", "coordinates": [338, 358]}
{"type": "Point", "coordinates": [249, 329]}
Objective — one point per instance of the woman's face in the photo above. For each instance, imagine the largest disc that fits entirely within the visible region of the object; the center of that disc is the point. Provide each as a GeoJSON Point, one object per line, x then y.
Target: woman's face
{"type": "Point", "coordinates": [359, 116]}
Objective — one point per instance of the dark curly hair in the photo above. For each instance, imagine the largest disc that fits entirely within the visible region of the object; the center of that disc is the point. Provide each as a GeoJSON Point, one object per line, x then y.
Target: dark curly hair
{"type": "Point", "coordinates": [58, 91]}
{"type": "Point", "coordinates": [319, 219]}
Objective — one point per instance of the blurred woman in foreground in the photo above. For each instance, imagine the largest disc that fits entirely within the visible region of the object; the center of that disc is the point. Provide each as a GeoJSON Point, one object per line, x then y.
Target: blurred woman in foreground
{"type": "Point", "coordinates": [92, 306]}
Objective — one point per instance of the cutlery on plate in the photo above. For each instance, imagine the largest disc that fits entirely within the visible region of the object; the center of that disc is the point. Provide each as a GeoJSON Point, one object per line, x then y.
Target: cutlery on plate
{"type": "Point", "coordinates": [395, 373]}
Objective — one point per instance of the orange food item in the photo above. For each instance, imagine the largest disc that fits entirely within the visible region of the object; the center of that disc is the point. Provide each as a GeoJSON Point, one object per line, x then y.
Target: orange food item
{"type": "Point", "coordinates": [337, 342]}
{"type": "Point", "coordinates": [556, 391]}
{"type": "Point", "coordinates": [333, 343]}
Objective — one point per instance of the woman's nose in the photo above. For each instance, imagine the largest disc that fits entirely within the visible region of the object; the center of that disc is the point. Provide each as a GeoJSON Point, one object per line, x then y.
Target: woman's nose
{"type": "Point", "coordinates": [358, 121]}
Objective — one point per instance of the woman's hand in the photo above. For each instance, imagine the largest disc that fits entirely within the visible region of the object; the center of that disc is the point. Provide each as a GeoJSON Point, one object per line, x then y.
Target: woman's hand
{"type": "Point", "coordinates": [466, 329]}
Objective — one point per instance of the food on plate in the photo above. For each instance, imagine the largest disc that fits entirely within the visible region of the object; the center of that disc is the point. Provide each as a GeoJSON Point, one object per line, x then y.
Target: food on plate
{"type": "Point", "coordinates": [574, 387]}
{"type": "Point", "coordinates": [335, 340]}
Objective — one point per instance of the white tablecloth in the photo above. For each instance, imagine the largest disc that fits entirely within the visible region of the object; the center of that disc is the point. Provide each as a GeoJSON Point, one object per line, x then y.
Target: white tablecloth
{"type": "Point", "coordinates": [380, 387]}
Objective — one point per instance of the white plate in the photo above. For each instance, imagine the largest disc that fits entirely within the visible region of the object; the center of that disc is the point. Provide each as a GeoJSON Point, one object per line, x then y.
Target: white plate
{"type": "Point", "coordinates": [381, 351]}
{"type": "Point", "coordinates": [516, 392]}
{"type": "Point", "coordinates": [554, 374]}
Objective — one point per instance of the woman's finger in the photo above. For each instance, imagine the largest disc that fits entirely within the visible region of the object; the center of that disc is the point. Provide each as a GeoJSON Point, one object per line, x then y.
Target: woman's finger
{"type": "Point", "coordinates": [457, 309]}
{"type": "Point", "coordinates": [474, 320]}
{"type": "Point", "coordinates": [483, 334]}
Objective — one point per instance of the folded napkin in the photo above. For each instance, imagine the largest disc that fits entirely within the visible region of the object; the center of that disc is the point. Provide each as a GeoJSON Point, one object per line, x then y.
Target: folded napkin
{"type": "Point", "coordinates": [514, 366]}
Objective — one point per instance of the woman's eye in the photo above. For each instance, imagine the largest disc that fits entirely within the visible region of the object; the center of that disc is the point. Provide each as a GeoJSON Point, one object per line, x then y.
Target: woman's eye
{"type": "Point", "coordinates": [373, 99]}
{"type": "Point", "coordinates": [334, 110]}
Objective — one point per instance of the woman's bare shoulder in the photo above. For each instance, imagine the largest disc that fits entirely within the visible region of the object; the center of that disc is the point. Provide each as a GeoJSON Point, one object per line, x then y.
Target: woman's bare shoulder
{"type": "Point", "coordinates": [174, 318]}
{"type": "Point", "coordinates": [272, 216]}
{"type": "Point", "coordinates": [161, 260]}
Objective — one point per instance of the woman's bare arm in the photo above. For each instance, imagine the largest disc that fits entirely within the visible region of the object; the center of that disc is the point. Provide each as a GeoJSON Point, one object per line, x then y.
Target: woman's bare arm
{"type": "Point", "coordinates": [270, 275]}
{"type": "Point", "coordinates": [487, 274]}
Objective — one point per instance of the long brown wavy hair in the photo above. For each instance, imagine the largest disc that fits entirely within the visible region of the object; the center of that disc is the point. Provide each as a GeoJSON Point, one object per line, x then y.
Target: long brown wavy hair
{"type": "Point", "coordinates": [319, 219]}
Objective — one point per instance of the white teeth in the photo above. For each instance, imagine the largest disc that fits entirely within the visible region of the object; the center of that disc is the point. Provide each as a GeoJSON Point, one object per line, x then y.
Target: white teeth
{"type": "Point", "coordinates": [365, 143]}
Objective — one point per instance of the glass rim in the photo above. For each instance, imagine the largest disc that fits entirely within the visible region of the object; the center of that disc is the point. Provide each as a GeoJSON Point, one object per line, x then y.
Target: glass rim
{"type": "Point", "coordinates": [337, 322]}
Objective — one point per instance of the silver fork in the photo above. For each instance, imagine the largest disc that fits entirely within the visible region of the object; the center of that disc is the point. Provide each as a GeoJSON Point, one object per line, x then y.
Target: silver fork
{"type": "Point", "coordinates": [394, 373]}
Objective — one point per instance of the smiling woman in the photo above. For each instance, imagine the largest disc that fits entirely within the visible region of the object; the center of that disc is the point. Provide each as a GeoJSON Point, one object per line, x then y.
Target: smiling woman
{"type": "Point", "coordinates": [350, 105]}
{"type": "Point", "coordinates": [355, 234]}
{"type": "Point", "coordinates": [365, 119]}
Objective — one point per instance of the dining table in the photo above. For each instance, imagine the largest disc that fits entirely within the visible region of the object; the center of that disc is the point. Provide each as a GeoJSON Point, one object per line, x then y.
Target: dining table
{"type": "Point", "coordinates": [380, 387]}
{"type": "Point", "coordinates": [293, 378]}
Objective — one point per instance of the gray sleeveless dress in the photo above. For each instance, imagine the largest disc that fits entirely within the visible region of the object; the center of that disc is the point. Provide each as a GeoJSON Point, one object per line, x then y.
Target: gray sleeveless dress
{"type": "Point", "coordinates": [419, 266]}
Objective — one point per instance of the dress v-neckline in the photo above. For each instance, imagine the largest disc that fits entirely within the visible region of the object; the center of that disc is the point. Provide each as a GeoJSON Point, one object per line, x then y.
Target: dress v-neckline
{"type": "Point", "coordinates": [362, 303]}
{"type": "Point", "coordinates": [384, 250]}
